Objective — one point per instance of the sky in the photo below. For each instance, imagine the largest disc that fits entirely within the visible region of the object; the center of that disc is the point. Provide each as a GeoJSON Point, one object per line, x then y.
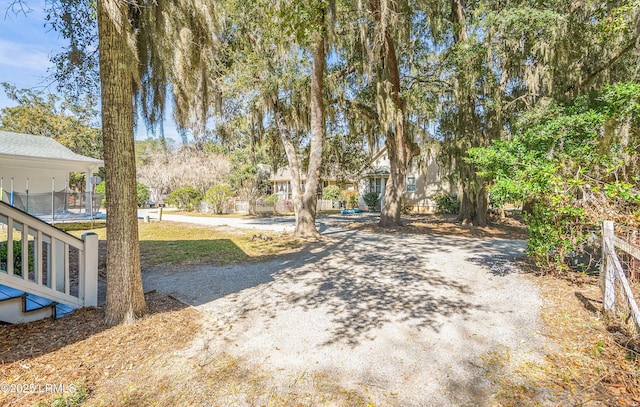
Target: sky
{"type": "Point", "coordinates": [25, 46]}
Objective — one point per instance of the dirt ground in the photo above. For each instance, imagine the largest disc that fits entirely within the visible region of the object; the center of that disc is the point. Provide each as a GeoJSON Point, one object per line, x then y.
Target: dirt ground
{"type": "Point", "coordinates": [296, 334]}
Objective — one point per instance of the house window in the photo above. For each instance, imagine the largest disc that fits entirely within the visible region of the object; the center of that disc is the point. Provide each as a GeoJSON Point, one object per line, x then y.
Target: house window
{"type": "Point", "coordinates": [375, 185]}
{"type": "Point", "coordinates": [411, 184]}
{"type": "Point", "coordinates": [282, 187]}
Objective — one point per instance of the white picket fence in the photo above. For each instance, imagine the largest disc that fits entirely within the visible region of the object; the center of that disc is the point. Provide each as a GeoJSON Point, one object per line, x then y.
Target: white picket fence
{"type": "Point", "coordinates": [612, 271]}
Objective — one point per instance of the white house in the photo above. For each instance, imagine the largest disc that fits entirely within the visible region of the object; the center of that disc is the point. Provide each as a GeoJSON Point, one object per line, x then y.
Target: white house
{"type": "Point", "coordinates": [425, 179]}
{"type": "Point", "coordinates": [33, 166]}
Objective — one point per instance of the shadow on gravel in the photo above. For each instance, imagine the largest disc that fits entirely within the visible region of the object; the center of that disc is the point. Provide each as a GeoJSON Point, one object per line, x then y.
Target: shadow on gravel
{"type": "Point", "coordinates": [365, 284]}
{"type": "Point", "coordinates": [362, 281]}
{"type": "Point", "coordinates": [499, 265]}
{"type": "Point", "coordinates": [365, 281]}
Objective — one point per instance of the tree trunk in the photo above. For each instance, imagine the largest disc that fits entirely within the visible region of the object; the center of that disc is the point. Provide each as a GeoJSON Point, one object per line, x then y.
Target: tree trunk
{"type": "Point", "coordinates": [459, 21]}
{"type": "Point", "coordinates": [252, 206]}
{"type": "Point", "coordinates": [305, 203]}
{"type": "Point", "coordinates": [473, 206]}
{"type": "Point", "coordinates": [125, 297]}
{"type": "Point", "coordinates": [399, 147]}
{"type": "Point", "coordinates": [304, 213]}
{"type": "Point", "coordinates": [306, 224]}
{"type": "Point", "coordinates": [399, 159]}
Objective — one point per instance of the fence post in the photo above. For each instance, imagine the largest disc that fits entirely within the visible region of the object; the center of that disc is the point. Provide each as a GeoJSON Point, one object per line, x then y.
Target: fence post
{"type": "Point", "coordinates": [89, 284]}
{"type": "Point", "coordinates": [607, 275]}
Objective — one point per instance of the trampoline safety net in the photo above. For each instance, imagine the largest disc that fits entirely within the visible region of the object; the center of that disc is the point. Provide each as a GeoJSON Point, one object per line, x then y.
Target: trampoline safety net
{"type": "Point", "coordinates": [55, 205]}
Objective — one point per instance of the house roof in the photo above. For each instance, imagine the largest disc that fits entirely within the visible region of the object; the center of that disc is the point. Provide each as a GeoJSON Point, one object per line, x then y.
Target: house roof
{"type": "Point", "coordinates": [283, 174]}
{"type": "Point", "coordinates": [27, 147]}
{"type": "Point", "coordinates": [369, 169]}
{"type": "Point", "coordinates": [381, 170]}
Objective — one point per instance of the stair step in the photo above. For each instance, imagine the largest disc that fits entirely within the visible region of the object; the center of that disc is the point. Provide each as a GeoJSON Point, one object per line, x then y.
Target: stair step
{"type": "Point", "coordinates": [12, 312]}
{"type": "Point", "coordinates": [30, 303]}
{"type": "Point", "coordinates": [33, 302]}
{"type": "Point", "coordinates": [7, 293]}
{"type": "Point", "coordinates": [62, 310]}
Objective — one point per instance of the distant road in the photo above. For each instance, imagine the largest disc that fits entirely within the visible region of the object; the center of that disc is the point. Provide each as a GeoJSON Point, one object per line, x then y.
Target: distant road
{"type": "Point", "coordinates": [275, 223]}
{"type": "Point", "coordinates": [271, 223]}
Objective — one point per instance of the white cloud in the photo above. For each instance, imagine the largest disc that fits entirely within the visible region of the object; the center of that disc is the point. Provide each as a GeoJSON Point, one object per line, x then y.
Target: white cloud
{"type": "Point", "coordinates": [23, 55]}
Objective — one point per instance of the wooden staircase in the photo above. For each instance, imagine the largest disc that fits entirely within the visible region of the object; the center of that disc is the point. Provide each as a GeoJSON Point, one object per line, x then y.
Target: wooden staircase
{"type": "Point", "coordinates": [18, 307]}
{"type": "Point", "coordinates": [44, 272]}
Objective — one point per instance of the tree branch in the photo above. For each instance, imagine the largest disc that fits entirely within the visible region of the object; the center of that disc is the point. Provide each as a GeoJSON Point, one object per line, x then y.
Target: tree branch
{"type": "Point", "coordinates": [364, 110]}
{"type": "Point", "coordinates": [17, 7]}
{"type": "Point", "coordinates": [430, 80]}
{"type": "Point", "coordinates": [603, 68]}
{"type": "Point", "coordinates": [342, 73]}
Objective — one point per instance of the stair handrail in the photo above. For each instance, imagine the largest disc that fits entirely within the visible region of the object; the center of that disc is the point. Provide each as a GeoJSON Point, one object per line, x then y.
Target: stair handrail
{"type": "Point", "coordinates": [87, 247]}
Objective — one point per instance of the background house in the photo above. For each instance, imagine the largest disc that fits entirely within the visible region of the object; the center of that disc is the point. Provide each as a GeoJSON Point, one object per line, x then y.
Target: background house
{"type": "Point", "coordinates": [281, 183]}
{"type": "Point", "coordinates": [425, 179]}
{"type": "Point", "coordinates": [34, 173]}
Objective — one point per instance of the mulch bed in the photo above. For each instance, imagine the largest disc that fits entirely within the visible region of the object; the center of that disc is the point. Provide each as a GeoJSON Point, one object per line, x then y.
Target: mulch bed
{"type": "Point", "coordinates": [508, 228]}
{"type": "Point", "coordinates": [81, 350]}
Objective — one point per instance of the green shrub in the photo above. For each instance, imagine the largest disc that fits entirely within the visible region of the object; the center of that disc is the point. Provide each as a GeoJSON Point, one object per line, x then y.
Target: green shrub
{"type": "Point", "coordinates": [217, 195]}
{"type": "Point", "coordinates": [185, 198]}
{"type": "Point", "coordinates": [351, 197]}
{"type": "Point", "coordinates": [271, 200]}
{"type": "Point", "coordinates": [572, 165]}
{"type": "Point", "coordinates": [100, 189]}
{"type": "Point", "coordinates": [332, 193]}
{"type": "Point", "coordinates": [446, 203]}
{"type": "Point", "coordinates": [555, 230]}
{"type": "Point", "coordinates": [372, 199]}
{"type": "Point", "coordinates": [17, 257]}
{"type": "Point", "coordinates": [142, 192]}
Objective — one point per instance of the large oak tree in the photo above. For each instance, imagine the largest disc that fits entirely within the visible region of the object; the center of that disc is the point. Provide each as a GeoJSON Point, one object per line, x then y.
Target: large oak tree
{"type": "Point", "coordinates": [125, 296]}
{"type": "Point", "coordinates": [145, 49]}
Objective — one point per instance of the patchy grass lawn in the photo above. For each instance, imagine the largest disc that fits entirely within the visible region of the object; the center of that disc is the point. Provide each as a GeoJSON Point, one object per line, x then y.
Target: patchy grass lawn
{"type": "Point", "coordinates": [174, 243]}
{"type": "Point", "coordinates": [182, 244]}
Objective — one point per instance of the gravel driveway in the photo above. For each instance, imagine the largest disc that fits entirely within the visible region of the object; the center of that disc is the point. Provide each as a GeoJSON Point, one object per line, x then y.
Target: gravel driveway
{"type": "Point", "coordinates": [402, 319]}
